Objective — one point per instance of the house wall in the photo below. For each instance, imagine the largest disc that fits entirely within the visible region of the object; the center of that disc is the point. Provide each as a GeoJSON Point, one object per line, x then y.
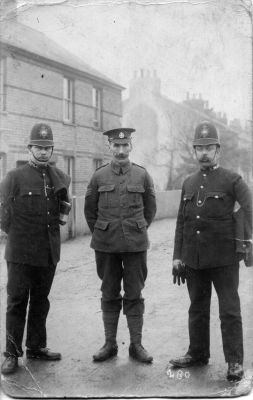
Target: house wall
{"type": "Point", "coordinates": [34, 93]}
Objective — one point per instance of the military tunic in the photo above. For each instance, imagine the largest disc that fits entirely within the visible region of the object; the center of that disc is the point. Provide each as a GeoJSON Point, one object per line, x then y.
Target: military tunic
{"type": "Point", "coordinates": [120, 205]}
{"type": "Point", "coordinates": [119, 208]}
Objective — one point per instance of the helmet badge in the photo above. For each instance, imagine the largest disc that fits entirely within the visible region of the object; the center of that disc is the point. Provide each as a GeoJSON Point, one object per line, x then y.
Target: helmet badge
{"type": "Point", "coordinates": [121, 135]}
{"type": "Point", "coordinates": [43, 132]}
{"type": "Point", "coordinates": [204, 131]}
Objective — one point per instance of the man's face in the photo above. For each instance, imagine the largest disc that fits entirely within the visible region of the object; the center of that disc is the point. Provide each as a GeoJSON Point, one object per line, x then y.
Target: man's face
{"type": "Point", "coordinates": [208, 155]}
{"type": "Point", "coordinates": [120, 152]}
{"type": "Point", "coordinates": [40, 155]}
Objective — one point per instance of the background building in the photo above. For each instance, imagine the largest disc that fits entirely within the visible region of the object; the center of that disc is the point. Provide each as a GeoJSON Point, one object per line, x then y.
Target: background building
{"type": "Point", "coordinates": [40, 81]}
{"type": "Point", "coordinates": [165, 131]}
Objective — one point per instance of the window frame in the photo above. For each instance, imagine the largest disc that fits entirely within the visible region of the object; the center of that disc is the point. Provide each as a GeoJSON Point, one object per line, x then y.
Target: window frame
{"type": "Point", "coordinates": [68, 100]}
{"type": "Point", "coordinates": [97, 107]}
{"type": "Point", "coordinates": [3, 80]}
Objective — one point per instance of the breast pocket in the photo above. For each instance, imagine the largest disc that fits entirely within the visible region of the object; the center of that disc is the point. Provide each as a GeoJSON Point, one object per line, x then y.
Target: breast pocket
{"type": "Point", "coordinates": [29, 202]}
{"type": "Point", "coordinates": [135, 193]}
{"type": "Point", "coordinates": [107, 196]}
{"type": "Point", "coordinates": [215, 204]}
{"type": "Point", "coordinates": [187, 202]}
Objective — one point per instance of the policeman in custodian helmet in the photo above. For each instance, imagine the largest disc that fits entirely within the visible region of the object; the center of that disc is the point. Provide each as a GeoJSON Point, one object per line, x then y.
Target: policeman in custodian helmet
{"type": "Point", "coordinates": [32, 198]}
{"type": "Point", "coordinates": [205, 252]}
{"type": "Point", "coordinates": [119, 207]}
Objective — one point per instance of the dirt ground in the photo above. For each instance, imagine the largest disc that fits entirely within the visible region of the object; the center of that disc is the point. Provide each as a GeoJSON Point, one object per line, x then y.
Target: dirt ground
{"type": "Point", "coordinates": [75, 329]}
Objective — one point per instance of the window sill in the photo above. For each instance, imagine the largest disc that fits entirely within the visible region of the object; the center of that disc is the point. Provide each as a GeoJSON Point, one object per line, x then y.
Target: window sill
{"type": "Point", "coordinates": [68, 123]}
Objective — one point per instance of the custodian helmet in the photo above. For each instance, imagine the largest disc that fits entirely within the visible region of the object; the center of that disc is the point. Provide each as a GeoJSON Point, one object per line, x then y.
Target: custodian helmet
{"type": "Point", "coordinates": [206, 133]}
{"type": "Point", "coordinates": [41, 135]}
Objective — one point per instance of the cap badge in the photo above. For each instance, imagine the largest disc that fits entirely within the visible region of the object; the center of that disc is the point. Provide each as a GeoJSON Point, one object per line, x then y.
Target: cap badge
{"type": "Point", "coordinates": [204, 131]}
{"type": "Point", "coordinates": [43, 133]}
{"type": "Point", "coordinates": [121, 135]}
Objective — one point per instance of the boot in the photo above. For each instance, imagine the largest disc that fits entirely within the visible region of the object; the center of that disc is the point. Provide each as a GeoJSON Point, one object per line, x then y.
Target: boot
{"type": "Point", "coordinates": [136, 350]}
{"type": "Point", "coordinates": [10, 365]}
{"type": "Point", "coordinates": [235, 371]}
{"type": "Point", "coordinates": [110, 348]}
{"type": "Point", "coordinates": [188, 361]}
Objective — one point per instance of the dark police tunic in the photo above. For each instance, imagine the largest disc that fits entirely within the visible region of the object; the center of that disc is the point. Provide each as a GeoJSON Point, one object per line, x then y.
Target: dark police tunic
{"type": "Point", "coordinates": [119, 206]}
{"type": "Point", "coordinates": [205, 231]}
{"type": "Point", "coordinates": [205, 242]}
{"type": "Point", "coordinates": [30, 200]}
{"type": "Point", "coordinates": [30, 213]}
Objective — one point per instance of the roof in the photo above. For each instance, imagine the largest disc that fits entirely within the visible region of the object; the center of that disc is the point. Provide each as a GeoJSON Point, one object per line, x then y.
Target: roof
{"type": "Point", "coordinates": [22, 37]}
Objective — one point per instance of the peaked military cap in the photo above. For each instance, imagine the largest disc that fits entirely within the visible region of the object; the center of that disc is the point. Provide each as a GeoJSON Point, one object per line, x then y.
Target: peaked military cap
{"type": "Point", "coordinates": [206, 133]}
{"type": "Point", "coordinates": [119, 135]}
{"type": "Point", "coordinates": [41, 135]}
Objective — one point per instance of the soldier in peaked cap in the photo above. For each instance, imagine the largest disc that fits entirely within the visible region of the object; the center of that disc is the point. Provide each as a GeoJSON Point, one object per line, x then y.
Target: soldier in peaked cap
{"type": "Point", "coordinates": [119, 207]}
{"type": "Point", "coordinates": [32, 198]}
{"type": "Point", "coordinates": [205, 252]}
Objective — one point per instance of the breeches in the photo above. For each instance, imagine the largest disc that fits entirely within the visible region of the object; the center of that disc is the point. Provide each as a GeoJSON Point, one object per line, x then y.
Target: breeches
{"type": "Point", "coordinates": [27, 282]}
{"type": "Point", "coordinates": [129, 268]}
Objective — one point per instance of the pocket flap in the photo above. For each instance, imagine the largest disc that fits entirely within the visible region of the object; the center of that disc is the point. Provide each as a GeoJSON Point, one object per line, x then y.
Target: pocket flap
{"type": "Point", "coordinates": [30, 192]}
{"type": "Point", "coordinates": [135, 188]}
{"type": "Point", "coordinates": [142, 223]}
{"type": "Point", "coordinates": [216, 195]}
{"type": "Point", "coordinates": [101, 225]}
{"type": "Point", "coordinates": [106, 188]}
{"type": "Point", "coordinates": [188, 196]}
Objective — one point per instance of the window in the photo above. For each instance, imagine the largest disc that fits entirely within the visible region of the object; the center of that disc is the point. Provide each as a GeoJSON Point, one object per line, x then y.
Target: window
{"type": "Point", "coordinates": [3, 84]}
{"type": "Point", "coordinates": [2, 165]}
{"type": "Point", "coordinates": [97, 162]}
{"type": "Point", "coordinates": [96, 103]}
{"type": "Point", "coordinates": [69, 168]}
{"type": "Point", "coordinates": [68, 100]}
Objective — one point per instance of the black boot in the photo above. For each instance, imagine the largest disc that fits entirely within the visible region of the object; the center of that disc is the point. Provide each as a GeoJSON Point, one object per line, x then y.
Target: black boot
{"type": "Point", "coordinates": [10, 365]}
{"type": "Point", "coordinates": [136, 350]}
{"type": "Point", "coordinates": [110, 348]}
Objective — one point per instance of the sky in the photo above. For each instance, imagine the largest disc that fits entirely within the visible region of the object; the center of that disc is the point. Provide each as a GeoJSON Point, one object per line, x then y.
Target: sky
{"type": "Point", "coordinates": [195, 46]}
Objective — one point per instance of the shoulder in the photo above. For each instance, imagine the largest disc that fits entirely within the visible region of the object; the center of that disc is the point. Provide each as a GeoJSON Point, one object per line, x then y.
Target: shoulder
{"type": "Point", "coordinates": [59, 174]}
{"type": "Point", "coordinates": [228, 173]}
{"type": "Point", "coordinates": [137, 166]}
{"type": "Point", "coordinates": [101, 170]}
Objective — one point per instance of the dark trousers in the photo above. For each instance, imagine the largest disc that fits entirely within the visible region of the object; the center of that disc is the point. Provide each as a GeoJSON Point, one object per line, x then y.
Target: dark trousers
{"type": "Point", "coordinates": [24, 282]}
{"type": "Point", "coordinates": [226, 282]}
{"type": "Point", "coordinates": [131, 268]}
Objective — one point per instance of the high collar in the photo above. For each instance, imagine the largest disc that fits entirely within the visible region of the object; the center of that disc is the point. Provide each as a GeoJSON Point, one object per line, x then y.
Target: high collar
{"type": "Point", "coordinates": [209, 169]}
{"type": "Point", "coordinates": [124, 167]}
{"type": "Point", "coordinates": [41, 168]}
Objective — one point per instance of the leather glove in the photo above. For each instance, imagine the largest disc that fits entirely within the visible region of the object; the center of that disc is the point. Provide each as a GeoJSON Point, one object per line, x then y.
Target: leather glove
{"type": "Point", "coordinates": [178, 272]}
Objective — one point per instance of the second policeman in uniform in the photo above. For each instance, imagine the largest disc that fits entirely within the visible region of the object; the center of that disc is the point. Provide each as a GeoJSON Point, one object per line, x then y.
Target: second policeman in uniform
{"type": "Point", "coordinates": [120, 205]}
{"type": "Point", "coordinates": [205, 251]}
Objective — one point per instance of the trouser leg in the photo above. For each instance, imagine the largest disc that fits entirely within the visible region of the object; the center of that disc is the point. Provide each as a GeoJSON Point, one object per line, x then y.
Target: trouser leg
{"type": "Point", "coordinates": [200, 288]}
{"type": "Point", "coordinates": [226, 282]}
{"type": "Point", "coordinates": [134, 276]}
{"type": "Point", "coordinates": [41, 282]}
{"type": "Point", "coordinates": [17, 299]}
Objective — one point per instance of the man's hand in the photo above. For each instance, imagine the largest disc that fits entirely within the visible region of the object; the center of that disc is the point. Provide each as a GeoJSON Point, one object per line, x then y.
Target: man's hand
{"type": "Point", "coordinates": [178, 272]}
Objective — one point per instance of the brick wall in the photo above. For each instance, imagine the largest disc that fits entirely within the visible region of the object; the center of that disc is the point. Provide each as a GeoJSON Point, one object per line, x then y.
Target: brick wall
{"type": "Point", "coordinates": [35, 94]}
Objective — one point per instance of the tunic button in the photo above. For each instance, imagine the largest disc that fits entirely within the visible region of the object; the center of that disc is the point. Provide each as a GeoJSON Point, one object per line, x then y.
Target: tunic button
{"type": "Point", "coordinates": [216, 197]}
{"type": "Point", "coordinates": [48, 226]}
{"type": "Point", "coordinates": [204, 174]}
{"type": "Point", "coordinates": [30, 193]}
{"type": "Point", "coordinates": [199, 202]}
{"type": "Point", "coordinates": [48, 212]}
{"type": "Point", "coordinates": [198, 217]}
{"type": "Point", "coordinates": [201, 187]}
{"type": "Point", "coordinates": [198, 232]}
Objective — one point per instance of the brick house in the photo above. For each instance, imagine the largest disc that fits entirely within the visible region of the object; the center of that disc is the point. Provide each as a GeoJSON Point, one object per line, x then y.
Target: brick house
{"type": "Point", "coordinates": [40, 81]}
